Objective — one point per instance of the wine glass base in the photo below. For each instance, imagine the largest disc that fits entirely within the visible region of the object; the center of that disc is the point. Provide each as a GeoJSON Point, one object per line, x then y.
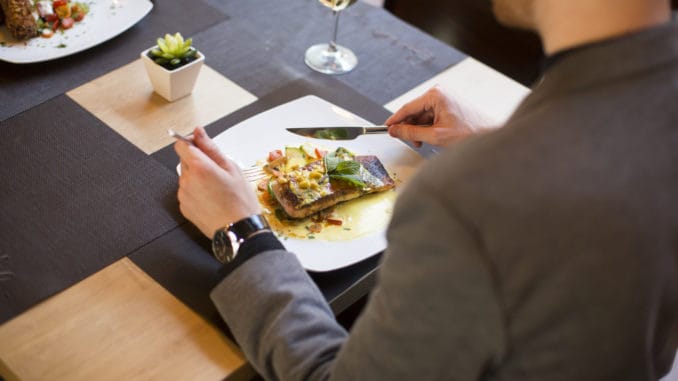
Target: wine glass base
{"type": "Point", "coordinates": [320, 58]}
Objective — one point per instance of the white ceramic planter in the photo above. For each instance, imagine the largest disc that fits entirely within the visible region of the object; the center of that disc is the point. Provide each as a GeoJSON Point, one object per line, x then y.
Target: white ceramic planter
{"type": "Point", "coordinates": [176, 83]}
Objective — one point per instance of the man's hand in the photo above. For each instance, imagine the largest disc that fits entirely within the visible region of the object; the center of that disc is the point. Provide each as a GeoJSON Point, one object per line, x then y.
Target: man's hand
{"type": "Point", "coordinates": [432, 118]}
{"type": "Point", "coordinates": [212, 190]}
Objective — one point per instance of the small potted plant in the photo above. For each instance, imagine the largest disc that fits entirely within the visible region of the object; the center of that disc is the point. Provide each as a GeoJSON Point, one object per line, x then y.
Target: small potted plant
{"type": "Point", "coordinates": [173, 66]}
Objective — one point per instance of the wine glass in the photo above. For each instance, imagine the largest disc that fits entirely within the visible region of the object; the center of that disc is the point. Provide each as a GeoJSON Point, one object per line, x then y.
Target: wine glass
{"type": "Point", "coordinates": [332, 58]}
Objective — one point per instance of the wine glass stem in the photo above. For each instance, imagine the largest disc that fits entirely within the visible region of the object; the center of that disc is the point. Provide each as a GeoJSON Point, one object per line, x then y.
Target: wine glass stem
{"type": "Point", "coordinates": [333, 43]}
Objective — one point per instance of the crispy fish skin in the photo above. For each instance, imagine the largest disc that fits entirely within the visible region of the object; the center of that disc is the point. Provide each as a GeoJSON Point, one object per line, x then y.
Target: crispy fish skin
{"type": "Point", "coordinates": [19, 18]}
{"type": "Point", "coordinates": [296, 208]}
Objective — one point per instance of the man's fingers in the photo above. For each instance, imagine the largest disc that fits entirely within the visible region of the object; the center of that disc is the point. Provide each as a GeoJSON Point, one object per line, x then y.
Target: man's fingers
{"type": "Point", "coordinates": [207, 145]}
{"type": "Point", "coordinates": [418, 108]}
{"type": "Point", "coordinates": [412, 133]}
{"type": "Point", "coordinates": [437, 136]}
{"type": "Point", "coordinates": [181, 148]}
{"type": "Point", "coordinates": [409, 110]}
{"type": "Point", "coordinates": [192, 156]}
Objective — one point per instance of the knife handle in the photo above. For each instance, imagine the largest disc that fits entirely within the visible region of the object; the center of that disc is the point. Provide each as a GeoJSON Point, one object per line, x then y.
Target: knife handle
{"type": "Point", "coordinates": [376, 130]}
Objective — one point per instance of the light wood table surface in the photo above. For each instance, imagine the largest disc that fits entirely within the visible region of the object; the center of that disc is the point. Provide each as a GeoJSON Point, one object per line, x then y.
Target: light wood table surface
{"type": "Point", "coordinates": [118, 324]}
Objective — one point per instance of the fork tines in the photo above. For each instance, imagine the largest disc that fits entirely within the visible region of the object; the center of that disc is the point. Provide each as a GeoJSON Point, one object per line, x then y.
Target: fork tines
{"type": "Point", "coordinates": [254, 173]}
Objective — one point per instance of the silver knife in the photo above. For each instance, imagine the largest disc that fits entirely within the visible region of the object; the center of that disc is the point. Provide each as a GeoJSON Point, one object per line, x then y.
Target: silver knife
{"type": "Point", "coordinates": [338, 133]}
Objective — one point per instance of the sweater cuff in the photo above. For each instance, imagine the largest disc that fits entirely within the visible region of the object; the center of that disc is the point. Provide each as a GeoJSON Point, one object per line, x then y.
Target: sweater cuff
{"type": "Point", "coordinates": [251, 247]}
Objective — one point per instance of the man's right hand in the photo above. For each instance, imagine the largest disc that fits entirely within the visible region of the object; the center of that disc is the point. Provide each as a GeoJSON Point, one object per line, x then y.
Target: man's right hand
{"type": "Point", "coordinates": [432, 118]}
{"type": "Point", "coordinates": [212, 190]}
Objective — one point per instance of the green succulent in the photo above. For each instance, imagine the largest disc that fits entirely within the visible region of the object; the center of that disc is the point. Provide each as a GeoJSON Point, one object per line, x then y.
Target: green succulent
{"type": "Point", "coordinates": [173, 51]}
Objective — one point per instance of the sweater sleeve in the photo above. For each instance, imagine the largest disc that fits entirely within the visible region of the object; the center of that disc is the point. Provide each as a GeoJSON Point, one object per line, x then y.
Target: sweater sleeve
{"type": "Point", "coordinates": [433, 315]}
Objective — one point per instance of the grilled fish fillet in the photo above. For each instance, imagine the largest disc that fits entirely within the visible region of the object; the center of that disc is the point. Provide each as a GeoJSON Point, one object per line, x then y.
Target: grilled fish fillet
{"type": "Point", "coordinates": [295, 205]}
{"type": "Point", "coordinates": [19, 18]}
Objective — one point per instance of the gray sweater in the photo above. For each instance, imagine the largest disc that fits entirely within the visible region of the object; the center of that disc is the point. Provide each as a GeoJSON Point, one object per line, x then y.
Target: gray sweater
{"type": "Point", "coordinates": [547, 250]}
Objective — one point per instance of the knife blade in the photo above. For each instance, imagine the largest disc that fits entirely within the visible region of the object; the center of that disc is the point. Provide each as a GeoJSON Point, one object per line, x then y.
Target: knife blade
{"type": "Point", "coordinates": [337, 133]}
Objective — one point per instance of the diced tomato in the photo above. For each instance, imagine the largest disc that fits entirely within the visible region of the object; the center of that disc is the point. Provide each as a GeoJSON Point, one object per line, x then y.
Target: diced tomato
{"type": "Point", "coordinates": [55, 25]}
{"type": "Point", "coordinates": [78, 16]}
{"type": "Point", "coordinates": [46, 33]}
{"type": "Point", "coordinates": [274, 155]}
{"type": "Point", "coordinates": [67, 23]}
{"type": "Point", "coordinates": [51, 17]}
{"type": "Point", "coordinates": [58, 3]}
{"type": "Point", "coordinates": [320, 154]}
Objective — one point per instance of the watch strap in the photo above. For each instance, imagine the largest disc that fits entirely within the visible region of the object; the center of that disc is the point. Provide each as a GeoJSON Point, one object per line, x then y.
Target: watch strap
{"type": "Point", "coordinates": [259, 243]}
{"type": "Point", "coordinates": [249, 226]}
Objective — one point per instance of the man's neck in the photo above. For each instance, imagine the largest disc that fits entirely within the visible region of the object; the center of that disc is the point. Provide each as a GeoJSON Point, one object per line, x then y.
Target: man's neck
{"type": "Point", "coordinates": [567, 24]}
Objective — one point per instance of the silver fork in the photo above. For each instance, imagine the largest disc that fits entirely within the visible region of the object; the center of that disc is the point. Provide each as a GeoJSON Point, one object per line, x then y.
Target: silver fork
{"type": "Point", "coordinates": [254, 173]}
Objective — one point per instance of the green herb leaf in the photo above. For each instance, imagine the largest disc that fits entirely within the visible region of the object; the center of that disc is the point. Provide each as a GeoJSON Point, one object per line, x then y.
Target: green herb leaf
{"type": "Point", "coordinates": [339, 165]}
{"type": "Point", "coordinates": [354, 180]}
{"type": "Point", "coordinates": [331, 163]}
{"type": "Point", "coordinates": [348, 167]}
{"type": "Point", "coordinates": [343, 152]}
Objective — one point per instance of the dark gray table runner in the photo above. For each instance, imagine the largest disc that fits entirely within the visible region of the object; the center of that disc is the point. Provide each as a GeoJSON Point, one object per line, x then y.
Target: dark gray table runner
{"type": "Point", "coordinates": [74, 197]}
{"type": "Point", "coordinates": [27, 85]}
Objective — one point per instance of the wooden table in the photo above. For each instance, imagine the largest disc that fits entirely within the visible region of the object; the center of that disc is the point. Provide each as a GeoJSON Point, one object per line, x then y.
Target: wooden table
{"type": "Point", "coordinates": [118, 324]}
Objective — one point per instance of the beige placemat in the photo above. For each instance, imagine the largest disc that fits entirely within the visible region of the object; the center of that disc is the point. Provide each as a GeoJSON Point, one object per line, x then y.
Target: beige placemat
{"type": "Point", "coordinates": [125, 101]}
{"type": "Point", "coordinates": [118, 324]}
{"type": "Point", "coordinates": [475, 86]}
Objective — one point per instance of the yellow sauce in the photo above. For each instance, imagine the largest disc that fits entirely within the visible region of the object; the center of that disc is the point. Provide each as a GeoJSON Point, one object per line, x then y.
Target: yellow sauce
{"type": "Point", "coordinates": [362, 216]}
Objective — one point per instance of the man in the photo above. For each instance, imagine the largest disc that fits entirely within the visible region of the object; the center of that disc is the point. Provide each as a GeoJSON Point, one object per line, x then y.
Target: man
{"type": "Point", "coordinates": [545, 250]}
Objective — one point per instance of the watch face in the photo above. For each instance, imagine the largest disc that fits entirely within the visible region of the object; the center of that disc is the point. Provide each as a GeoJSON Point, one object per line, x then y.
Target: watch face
{"type": "Point", "coordinates": [227, 240]}
{"type": "Point", "coordinates": [221, 246]}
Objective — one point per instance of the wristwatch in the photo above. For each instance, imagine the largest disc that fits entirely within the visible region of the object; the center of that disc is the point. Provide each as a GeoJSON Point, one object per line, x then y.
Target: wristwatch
{"type": "Point", "coordinates": [228, 239]}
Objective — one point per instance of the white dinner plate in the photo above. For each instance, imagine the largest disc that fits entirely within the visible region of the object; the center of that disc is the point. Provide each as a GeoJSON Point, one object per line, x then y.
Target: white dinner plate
{"type": "Point", "coordinates": [250, 141]}
{"type": "Point", "coordinates": [105, 20]}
